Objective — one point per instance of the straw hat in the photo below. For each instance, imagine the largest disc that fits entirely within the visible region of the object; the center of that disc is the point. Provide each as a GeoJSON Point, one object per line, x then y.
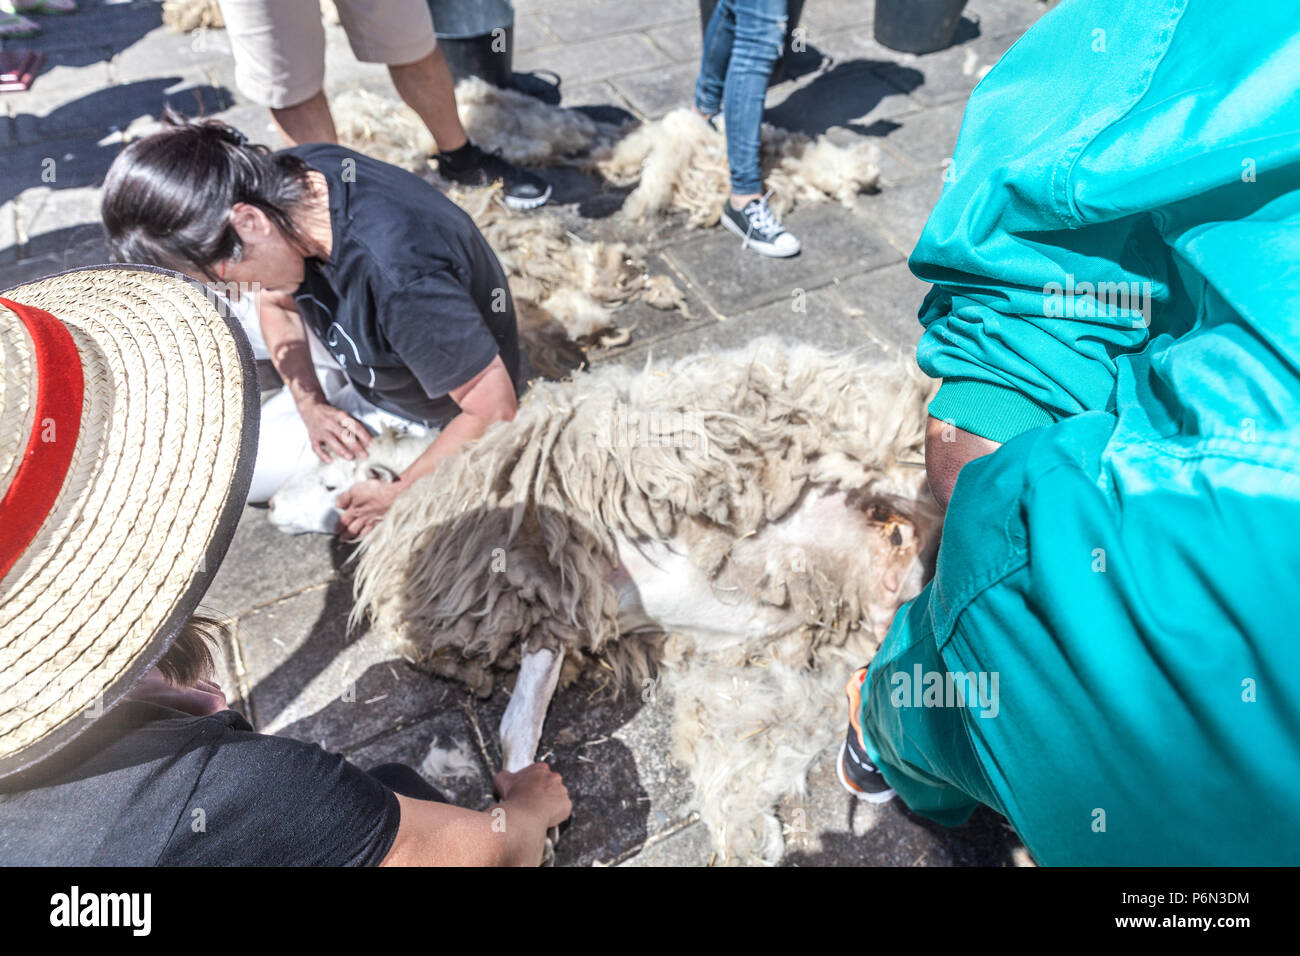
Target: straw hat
{"type": "Point", "coordinates": [128, 429]}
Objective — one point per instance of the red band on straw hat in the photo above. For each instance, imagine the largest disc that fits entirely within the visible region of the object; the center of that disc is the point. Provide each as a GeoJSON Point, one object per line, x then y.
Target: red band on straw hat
{"type": "Point", "coordinates": [59, 389]}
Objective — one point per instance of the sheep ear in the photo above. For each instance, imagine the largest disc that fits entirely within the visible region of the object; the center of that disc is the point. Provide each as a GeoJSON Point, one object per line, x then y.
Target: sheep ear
{"type": "Point", "coordinates": [380, 473]}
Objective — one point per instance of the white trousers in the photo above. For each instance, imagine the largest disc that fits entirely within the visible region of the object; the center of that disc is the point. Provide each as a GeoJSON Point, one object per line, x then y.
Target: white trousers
{"type": "Point", "coordinates": [283, 447]}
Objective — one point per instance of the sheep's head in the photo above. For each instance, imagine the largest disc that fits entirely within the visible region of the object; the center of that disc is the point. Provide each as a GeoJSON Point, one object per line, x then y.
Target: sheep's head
{"type": "Point", "coordinates": [309, 502]}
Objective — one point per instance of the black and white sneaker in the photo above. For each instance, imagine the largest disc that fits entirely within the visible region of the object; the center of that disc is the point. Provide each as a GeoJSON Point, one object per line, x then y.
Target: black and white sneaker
{"type": "Point", "coordinates": [859, 777]}
{"type": "Point", "coordinates": [760, 229]}
{"type": "Point", "coordinates": [475, 168]}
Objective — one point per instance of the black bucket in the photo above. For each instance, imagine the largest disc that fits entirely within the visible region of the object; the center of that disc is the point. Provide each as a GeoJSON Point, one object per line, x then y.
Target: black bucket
{"type": "Point", "coordinates": [917, 26]}
{"type": "Point", "coordinates": [794, 10]}
{"type": "Point", "coordinates": [477, 37]}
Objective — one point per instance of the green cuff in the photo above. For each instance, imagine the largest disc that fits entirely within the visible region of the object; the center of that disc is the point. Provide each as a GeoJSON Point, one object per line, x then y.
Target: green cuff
{"type": "Point", "coordinates": [991, 411]}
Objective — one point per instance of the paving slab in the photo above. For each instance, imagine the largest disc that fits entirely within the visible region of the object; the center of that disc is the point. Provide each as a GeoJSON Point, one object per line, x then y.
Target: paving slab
{"type": "Point", "coordinates": [654, 93]}
{"type": "Point", "coordinates": [580, 20]}
{"type": "Point", "coordinates": [680, 40]}
{"type": "Point", "coordinates": [827, 827]}
{"type": "Point", "coordinates": [900, 213]}
{"type": "Point", "coordinates": [948, 75]}
{"type": "Point", "coordinates": [847, 95]}
{"type": "Point", "coordinates": [263, 563]}
{"type": "Point", "coordinates": [595, 59]}
{"type": "Point", "coordinates": [580, 740]}
{"type": "Point", "coordinates": [689, 846]}
{"type": "Point", "coordinates": [733, 279]}
{"type": "Point", "coordinates": [8, 232]}
{"type": "Point", "coordinates": [824, 322]}
{"type": "Point", "coordinates": [886, 301]}
{"type": "Point", "coordinates": [117, 26]}
{"type": "Point", "coordinates": [1002, 17]}
{"type": "Point", "coordinates": [926, 138]}
{"type": "Point", "coordinates": [196, 52]}
{"type": "Point", "coordinates": [448, 729]}
{"type": "Point", "coordinates": [826, 15]}
{"type": "Point", "coordinates": [309, 676]}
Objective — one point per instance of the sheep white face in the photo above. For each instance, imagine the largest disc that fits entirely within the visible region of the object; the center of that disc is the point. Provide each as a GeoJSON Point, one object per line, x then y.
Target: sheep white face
{"type": "Point", "coordinates": [309, 503]}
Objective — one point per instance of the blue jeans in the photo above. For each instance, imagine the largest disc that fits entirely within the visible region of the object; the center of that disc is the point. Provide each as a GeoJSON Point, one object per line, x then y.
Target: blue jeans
{"type": "Point", "coordinates": [742, 43]}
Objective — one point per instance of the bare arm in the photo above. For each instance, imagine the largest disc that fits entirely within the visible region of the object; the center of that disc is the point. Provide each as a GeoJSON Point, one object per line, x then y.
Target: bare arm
{"type": "Point", "coordinates": [486, 398]}
{"type": "Point", "coordinates": [511, 833]}
{"type": "Point", "coordinates": [947, 450]}
{"type": "Point", "coordinates": [332, 431]}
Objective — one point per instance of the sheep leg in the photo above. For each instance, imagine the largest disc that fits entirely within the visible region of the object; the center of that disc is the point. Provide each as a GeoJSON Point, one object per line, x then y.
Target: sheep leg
{"type": "Point", "coordinates": [521, 725]}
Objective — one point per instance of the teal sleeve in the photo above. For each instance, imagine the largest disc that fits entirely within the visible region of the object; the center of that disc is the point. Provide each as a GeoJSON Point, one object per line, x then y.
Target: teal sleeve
{"type": "Point", "coordinates": [1092, 160]}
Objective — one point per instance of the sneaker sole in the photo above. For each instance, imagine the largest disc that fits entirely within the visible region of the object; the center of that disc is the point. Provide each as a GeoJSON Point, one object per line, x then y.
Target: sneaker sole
{"type": "Point", "coordinates": [514, 202]}
{"type": "Point", "coordinates": [884, 796]}
{"type": "Point", "coordinates": [762, 248]}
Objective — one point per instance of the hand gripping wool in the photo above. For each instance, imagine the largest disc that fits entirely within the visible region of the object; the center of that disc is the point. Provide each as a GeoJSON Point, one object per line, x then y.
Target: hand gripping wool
{"type": "Point", "coordinates": [744, 524]}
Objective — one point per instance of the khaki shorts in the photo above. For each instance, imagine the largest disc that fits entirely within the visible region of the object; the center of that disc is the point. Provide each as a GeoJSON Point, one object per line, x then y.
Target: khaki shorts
{"type": "Point", "coordinates": [279, 45]}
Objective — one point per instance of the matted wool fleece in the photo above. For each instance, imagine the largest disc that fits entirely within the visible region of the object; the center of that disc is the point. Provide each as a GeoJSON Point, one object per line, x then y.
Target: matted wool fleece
{"type": "Point", "coordinates": [513, 540]}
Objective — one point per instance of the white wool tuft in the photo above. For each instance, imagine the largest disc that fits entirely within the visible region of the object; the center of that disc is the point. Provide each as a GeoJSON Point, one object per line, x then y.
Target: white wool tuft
{"type": "Point", "coordinates": [680, 165]}
{"type": "Point", "coordinates": [445, 765]}
{"type": "Point", "coordinates": [524, 129]}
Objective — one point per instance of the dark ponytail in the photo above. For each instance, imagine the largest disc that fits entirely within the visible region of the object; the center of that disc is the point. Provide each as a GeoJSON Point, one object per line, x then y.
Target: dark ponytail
{"type": "Point", "coordinates": [168, 196]}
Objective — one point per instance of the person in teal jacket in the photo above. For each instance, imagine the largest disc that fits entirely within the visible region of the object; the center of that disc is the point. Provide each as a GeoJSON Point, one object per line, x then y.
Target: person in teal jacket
{"type": "Point", "coordinates": [1115, 317]}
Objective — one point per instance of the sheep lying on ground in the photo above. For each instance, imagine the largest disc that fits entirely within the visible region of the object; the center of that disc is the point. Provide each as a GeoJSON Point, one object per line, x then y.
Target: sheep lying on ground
{"type": "Point", "coordinates": [748, 522]}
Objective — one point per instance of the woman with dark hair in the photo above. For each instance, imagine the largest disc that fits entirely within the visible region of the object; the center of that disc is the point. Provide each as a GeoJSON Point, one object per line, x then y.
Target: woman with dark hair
{"type": "Point", "coordinates": [380, 302]}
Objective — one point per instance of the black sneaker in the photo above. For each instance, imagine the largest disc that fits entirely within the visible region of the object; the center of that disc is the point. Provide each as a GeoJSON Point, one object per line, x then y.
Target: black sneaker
{"type": "Point", "coordinates": [474, 167]}
{"type": "Point", "coordinates": [860, 778]}
{"type": "Point", "coordinates": [760, 229]}
{"type": "Point", "coordinates": [858, 775]}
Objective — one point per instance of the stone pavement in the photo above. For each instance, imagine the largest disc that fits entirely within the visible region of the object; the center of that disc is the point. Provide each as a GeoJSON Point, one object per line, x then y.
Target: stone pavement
{"type": "Point", "coordinates": [290, 661]}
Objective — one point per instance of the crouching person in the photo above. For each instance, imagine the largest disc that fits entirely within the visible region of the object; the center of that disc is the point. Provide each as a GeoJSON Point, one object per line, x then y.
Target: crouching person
{"type": "Point", "coordinates": [1115, 589]}
{"type": "Point", "coordinates": [344, 255]}
{"type": "Point", "coordinates": [116, 748]}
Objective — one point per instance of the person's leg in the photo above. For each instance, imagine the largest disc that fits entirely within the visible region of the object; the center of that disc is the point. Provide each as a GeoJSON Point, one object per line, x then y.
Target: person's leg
{"type": "Point", "coordinates": [401, 36]}
{"type": "Point", "coordinates": [279, 50]}
{"type": "Point", "coordinates": [759, 39]}
{"type": "Point", "coordinates": [714, 56]}
{"type": "Point", "coordinates": [427, 88]}
{"type": "Point", "coordinates": [283, 447]}
{"type": "Point", "coordinates": [307, 122]}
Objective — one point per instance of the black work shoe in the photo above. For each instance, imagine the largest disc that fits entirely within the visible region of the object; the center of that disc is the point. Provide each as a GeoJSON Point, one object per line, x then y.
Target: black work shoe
{"type": "Point", "coordinates": [474, 167]}
{"type": "Point", "coordinates": [760, 229]}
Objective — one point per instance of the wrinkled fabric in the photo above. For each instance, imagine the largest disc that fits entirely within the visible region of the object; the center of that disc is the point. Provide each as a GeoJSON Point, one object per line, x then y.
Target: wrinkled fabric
{"type": "Point", "coordinates": [1126, 562]}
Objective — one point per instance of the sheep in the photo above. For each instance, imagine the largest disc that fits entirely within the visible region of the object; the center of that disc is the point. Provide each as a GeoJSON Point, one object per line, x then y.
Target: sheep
{"type": "Point", "coordinates": [306, 503]}
{"type": "Point", "coordinates": [741, 525]}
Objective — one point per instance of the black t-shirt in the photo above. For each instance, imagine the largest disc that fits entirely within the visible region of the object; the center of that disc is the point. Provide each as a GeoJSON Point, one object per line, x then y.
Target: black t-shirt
{"type": "Point", "coordinates": [413, 302]}
{"type": "Point", "coordinates": [148, 785]}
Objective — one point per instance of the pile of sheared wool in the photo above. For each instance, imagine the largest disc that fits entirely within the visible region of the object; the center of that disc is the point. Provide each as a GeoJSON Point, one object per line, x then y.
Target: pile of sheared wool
{"type": "Point", "coordinates": [679, 164]}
